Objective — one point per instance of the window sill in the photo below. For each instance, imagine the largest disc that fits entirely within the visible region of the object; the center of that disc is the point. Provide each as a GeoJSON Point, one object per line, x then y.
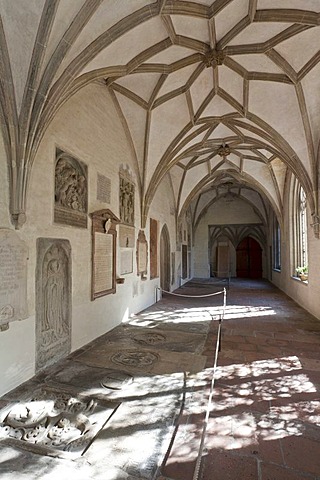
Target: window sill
{"type": "Point", "coordinates": [299, 280]}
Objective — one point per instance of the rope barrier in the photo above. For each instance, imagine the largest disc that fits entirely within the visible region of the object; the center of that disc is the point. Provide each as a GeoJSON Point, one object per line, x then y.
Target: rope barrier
{"type": "Point", "coordinates": [206, 420]}
{"type": "Point", "coordinates": [190, 296]}
{"type": "Point", "coordinates": [217, 350]}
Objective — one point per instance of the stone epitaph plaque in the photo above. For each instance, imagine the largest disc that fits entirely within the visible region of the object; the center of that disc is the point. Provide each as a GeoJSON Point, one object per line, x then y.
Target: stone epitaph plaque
{"type": "Point", "coordinates": [104, 236]}
{"type": "Point", "coordinates": [153, 248]}
{"type": "Point", "coordinates": [53, 301]}
{"type": "Point", "coordinates": [142, 255]}
{"type": "Point", "coordinates": [103, 188]}
{"type": "Point", "coordinates": [126, 260]}
{"type": "Point", "coordinates": [71, 191]}
{"type": "Point", "coordinates": [13, 278]}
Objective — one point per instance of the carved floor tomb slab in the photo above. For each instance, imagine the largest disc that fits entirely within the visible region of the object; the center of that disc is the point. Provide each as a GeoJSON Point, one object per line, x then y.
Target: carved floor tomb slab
{"type": "Point", "coordinates": [112, 384]}
{"type": "Point", "coordinates": [53, 301]}
{"type": "Point", "coordinates": [140, 431]}
{"type": "Point", "coordinates": [53, 422]}
{"type": "Point", "coordinates": [13, 278]}
{"type": "Point", "coordinates": [144, 360]}
{"type": "Point", "coordinates": [97, 382]}
{"type": "Point", "coordinates": [156, 337]}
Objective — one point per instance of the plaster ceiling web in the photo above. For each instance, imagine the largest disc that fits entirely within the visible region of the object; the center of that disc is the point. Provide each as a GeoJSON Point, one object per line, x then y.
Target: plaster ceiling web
{"type": "Point", "coordinates": [241, 70]}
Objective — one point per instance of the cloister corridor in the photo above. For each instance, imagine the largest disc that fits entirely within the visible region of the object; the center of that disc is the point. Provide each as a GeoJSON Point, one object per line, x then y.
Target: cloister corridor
{"type": "Point", "coordinates": [144, 415]}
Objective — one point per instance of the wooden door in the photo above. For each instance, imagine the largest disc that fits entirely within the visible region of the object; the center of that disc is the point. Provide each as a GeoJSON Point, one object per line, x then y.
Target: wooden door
{"type": "Point", "coordinates": [223, 260]}
{"type": "Point", "coordinates": [249, 259]}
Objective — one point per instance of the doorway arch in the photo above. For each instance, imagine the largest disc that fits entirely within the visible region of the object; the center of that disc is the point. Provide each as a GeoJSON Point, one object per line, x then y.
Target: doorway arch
{"type": "Point", "coordinates": [165, 259]}
{"type": "Point", "coordinates": [249, 258]}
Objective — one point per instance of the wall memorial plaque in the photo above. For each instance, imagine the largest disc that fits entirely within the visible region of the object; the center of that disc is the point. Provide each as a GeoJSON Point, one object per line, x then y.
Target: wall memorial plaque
{"type": "Point", "coordinates": [126, 259]}
{"type": "Point", "coordinates": [71, 191]}
{"type": "Point", "coordinates": [142, 255]}
{"type": "Point", "coordinates": [53, 301]}
{"type": "Point", "coordinates": [153, 248]}
{"type": "Point", "coordinates": [104, 237]}
{"type": "Point", "coordinates": [13, 278]}
{"type": "Point", "coordinates": [126, 236]}
{"type": "Point", "coordinates": [103, 188]}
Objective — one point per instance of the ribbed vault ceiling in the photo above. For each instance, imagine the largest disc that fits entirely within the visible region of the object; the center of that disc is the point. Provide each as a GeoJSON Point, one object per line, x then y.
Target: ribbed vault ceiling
{"type": "Point", "coordinates": [187, 78]}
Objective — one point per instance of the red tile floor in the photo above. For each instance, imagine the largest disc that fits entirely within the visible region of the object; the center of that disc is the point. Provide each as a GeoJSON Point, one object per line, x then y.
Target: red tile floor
{"type": "Point", "coordinates": [263, 420]}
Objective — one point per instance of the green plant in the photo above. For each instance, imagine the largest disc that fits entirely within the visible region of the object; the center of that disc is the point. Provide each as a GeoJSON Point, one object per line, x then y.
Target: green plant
{"type": "Point", "coordinates": [302, 270]}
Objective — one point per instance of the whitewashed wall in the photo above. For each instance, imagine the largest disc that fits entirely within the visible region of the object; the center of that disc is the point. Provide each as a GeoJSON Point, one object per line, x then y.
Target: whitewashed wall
{"type": "Point", "coordinates": [305, 294]}
{"type": "Point", "coordinates": [89, 128]}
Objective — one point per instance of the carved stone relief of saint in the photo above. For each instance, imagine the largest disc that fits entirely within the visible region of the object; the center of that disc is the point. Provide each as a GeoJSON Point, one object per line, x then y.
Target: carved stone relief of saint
{"type": "Point", "coordinates": [70, 191]}
{"type": "Point", "coordinates": [70, 185]}
{"type": "Point", "coordinates": [53, 313]}
{"type": "Point", "coordinates": [126, 201]}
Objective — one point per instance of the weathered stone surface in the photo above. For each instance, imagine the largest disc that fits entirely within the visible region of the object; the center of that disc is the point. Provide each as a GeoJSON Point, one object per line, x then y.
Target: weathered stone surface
{"type": "Point", "coordinates": [126, 197]}
{"type": "Point", "coordinates": [16, 463]}
{"type": "Point", "coordinates": [53, 300]}
{"type": "Point", "coordinates": [53, 422]}
{"type": "Point", "coordinates": [71, 191]}
{"type": "Point", "coordinates": [144, 427]}
{"type": "Point", "coordinates": [143, 360]}
{"type": "Point", "coordinates": [13, 278]}
{"type": "Point", "coordinates": [157, 337]}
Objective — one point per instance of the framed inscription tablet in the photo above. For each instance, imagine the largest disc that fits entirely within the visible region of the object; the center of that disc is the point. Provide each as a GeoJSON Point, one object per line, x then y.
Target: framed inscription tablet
{"type": "Point", "coordinates": [104, 236]}
{"type": "Point", "coordinates": [142, 255]}
{"type": "Point", "coordinates": [13, 278]}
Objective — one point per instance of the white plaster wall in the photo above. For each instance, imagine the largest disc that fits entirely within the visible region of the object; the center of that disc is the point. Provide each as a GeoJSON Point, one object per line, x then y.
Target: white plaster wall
{"type": "Point", "coordinates": [162, 210]}
{"type": "Point", "coordinates": [305, 294]}
{"type": "Point", "coordinates": [201, 254]}
{"type": "Point", "coordinates": [88, 127]}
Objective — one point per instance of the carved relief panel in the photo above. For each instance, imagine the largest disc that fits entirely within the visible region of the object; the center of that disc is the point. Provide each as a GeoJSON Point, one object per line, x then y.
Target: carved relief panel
{"type": "Point", "coordinates": [126, 197]}
{"type": "Point", "coordinates": [71, 191]}
{"type": "Point", "coordinates": [53, 301]}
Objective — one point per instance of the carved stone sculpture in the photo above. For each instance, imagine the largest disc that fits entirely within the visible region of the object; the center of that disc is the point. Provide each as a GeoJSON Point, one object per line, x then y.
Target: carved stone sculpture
{"type": "Point", "coordinates": [53, 292]}
{"type": "Point", "coordinates": [214, 57]}
{"type": "Point", "coordinates": [71, 191]}
{"type": "Point", "coordinates": [52, 423]}
{"type": "Point", "coordinates": [126, 201]}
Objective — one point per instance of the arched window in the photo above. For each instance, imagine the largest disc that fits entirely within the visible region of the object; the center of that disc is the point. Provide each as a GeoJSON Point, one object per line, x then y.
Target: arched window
{"type": "Point", "coordinates": [299, 230]}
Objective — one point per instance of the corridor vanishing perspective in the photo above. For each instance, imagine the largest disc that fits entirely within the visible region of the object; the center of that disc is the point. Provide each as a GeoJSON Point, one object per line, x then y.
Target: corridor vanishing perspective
{"type": "Point", "coordinates": [150, 148]}
{"type": "Point", "coordinates": [132, 404]}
